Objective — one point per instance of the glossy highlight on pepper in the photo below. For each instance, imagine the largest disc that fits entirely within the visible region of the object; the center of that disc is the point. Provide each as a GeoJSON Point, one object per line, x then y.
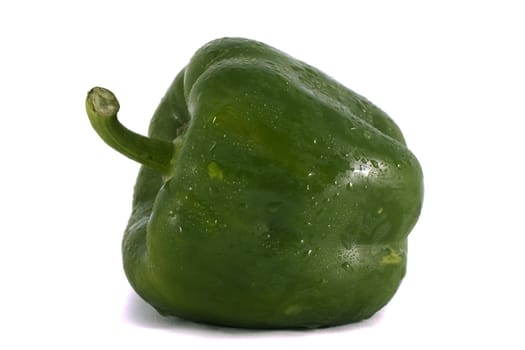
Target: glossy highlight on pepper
{"type": "Point", "coordinates": [270, 196]}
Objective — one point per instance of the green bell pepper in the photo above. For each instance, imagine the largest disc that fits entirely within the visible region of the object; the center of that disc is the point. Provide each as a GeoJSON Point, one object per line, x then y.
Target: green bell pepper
{"type": "Point", "coordinates": [270, 195]}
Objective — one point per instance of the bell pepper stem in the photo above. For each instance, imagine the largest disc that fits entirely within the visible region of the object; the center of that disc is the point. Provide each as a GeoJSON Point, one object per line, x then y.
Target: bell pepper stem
{"type": "Point", "coordinates": [102, 107]}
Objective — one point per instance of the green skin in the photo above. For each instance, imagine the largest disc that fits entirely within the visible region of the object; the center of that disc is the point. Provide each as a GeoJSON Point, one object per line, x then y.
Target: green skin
{"type": "Point", "coordinates": [270, 195]}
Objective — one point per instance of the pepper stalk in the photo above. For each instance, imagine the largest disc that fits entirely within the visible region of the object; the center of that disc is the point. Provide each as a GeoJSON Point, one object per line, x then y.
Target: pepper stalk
{"type": "Point", "coordinates": [102, 107]}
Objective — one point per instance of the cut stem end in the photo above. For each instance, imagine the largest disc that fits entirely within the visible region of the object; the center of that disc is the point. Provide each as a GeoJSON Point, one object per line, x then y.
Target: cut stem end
{"type": "Point", "coordinates": [103, 101]}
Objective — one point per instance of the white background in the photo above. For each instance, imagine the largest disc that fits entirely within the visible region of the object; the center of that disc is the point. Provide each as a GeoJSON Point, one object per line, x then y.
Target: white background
{"type": "Point", "coordinates": [450, 73]}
